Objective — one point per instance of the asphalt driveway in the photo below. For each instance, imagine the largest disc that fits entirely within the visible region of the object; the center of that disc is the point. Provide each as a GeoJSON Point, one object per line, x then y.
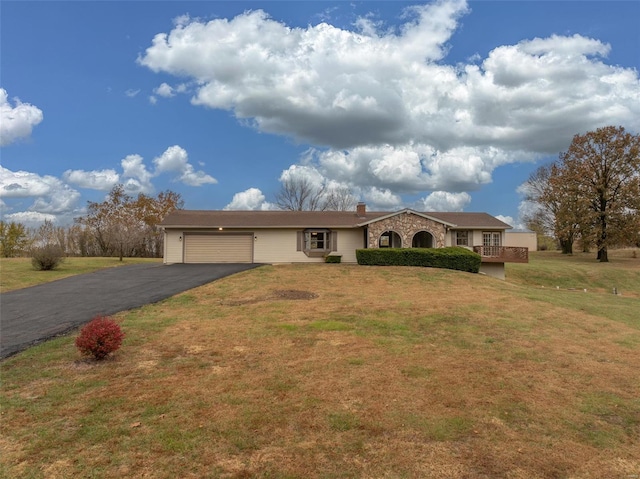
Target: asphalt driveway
{"type": "Point", "coordinates": [31, 315]}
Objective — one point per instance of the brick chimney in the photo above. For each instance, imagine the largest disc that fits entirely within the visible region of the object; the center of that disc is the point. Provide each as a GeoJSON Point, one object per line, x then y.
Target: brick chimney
{"type": "Point", "coordinates": [361, 209]}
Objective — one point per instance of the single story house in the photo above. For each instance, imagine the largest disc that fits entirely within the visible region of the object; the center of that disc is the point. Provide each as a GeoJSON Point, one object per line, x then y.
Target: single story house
{"type": "Point", "coordinates": [200, 236]}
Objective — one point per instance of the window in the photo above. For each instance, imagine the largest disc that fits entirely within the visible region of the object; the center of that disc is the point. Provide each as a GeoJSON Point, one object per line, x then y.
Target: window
{"type": "Point", "coordinates": [461, 238]}
{"type": "Point", "coordinates": [317, 242]}
{"type": "Point", "coordinates": [314, 240]}
{"type": "Point", "coordinates": [491, 238]}
{"type": "Point", "coordinates": [390, 239]}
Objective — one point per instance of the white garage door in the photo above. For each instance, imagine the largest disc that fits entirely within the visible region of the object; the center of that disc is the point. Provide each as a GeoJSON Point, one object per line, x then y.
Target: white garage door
{"type": "Point", "coordinates": [218, 248]}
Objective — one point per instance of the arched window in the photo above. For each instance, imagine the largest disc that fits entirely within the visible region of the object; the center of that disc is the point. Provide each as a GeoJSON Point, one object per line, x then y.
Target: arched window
{"type": "Point", "coordinates": [390, 239]}
{"type": "Point", "coordinates": [422, 239]}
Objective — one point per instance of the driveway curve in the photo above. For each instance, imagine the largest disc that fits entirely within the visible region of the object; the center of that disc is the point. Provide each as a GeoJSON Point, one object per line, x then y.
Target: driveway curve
{"type": "Point", "coordinates": [32, 315]}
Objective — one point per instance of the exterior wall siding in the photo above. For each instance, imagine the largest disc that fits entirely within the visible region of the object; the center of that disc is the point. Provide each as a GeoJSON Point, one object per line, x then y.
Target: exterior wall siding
{"type": "Point", "coordinates": [173, 251]}
{"type": "Point", "coordinates": [272, 245]}
{"type": "Point", "coordinates": [522, 239]}
{"type": "Point", "coordinates": [279, 246]}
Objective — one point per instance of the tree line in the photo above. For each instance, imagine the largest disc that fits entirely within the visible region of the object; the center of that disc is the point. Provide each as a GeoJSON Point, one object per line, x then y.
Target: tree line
{"type": "Point", "coordinates": [121, 225]}
{"type": "Point", "coordinates": [591, 194]}
{"type": "Point", "coordinates": [126, 226]}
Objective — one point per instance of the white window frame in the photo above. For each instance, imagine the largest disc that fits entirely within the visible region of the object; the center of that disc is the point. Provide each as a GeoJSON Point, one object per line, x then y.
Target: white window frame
{"type": "Point", "coordinates": [491, 238]}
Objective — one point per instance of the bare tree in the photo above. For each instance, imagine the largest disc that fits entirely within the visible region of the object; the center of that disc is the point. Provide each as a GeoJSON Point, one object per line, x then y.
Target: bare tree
{"type": "Point", "coordinates": [340, 199]}
{"type": "Point", "coordinates": [297, 193]}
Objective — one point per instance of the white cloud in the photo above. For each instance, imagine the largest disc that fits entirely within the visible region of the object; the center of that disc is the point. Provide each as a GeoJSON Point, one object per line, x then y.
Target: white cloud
{"type": "Point", "coordinates": [443, 201]}
{"type": "Point", "coordinates": [383, 106]}
{"type": "Point", "coordinates": [54, 197]}
{"type": "Point", "coordinates": [63, 201]}
{"type": "Point", "coordinates": [50, 195]}
{"type": "Point", "coordinates": [132, 93]}
{"type": "Point", "coordinates": [165, 90]}
{"type": "Point", "coordinates": [176, 159]}
{"type": "Point", "coordinates": [16, 122]}
{"type": "Point", "coordinates": [382, 199]}
{"type": "Point", "coordinates": [251, 199]}
{"type": "Point", "coordinates": [31, 219]}
{"type": "Point", "coordinates": [153, 100]}
{"type": "Point", "coordinates": [413, 168]}
{"type": "Point", "coordinates": [138, 178]}
{"type": "Point", "coordinates": [23, 184]}
{"type": "Point", "coordinates": [506, 219]}
{"type": "Point", "coordinates": [306, 172]}
{"type": "Point", "coordinates": [103, 180]}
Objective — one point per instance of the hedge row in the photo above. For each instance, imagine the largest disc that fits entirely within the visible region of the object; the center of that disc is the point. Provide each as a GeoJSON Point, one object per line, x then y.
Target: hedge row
{"type": "Point", "coordinates": [457, 258]}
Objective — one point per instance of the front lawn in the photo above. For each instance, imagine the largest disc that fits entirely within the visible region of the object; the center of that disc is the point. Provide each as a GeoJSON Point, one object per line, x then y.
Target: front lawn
{"type": "Point", "coordinates": [323, 371]}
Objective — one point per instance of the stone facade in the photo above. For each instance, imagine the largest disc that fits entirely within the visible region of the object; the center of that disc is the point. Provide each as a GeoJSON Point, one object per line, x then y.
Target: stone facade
{"type": "Point", "coordinates": [406, 225]}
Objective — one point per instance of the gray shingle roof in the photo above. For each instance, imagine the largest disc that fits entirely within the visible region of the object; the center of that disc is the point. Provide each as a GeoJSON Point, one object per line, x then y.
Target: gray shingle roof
{"type": "Point", "coordinates": [311, 219]}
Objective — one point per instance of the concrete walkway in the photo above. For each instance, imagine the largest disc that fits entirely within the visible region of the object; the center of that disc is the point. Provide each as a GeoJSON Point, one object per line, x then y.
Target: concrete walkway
{"type": "Point", "coordinates": [31, 315]}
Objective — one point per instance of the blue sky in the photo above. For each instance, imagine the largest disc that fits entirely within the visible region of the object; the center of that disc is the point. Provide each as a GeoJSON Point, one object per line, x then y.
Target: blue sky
{"type": "Point", "coordinates": [435, 106]}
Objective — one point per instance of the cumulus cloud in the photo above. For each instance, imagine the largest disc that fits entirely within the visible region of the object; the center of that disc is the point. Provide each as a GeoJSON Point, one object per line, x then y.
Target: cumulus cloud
{"type": "Point", "coordinates": [164, 90]}
{"type": "Point", "coordinates": [23, 184]}
{"type": "Point", "coordinates": [175, 159]}
{"type": "Point", "coordinates": [251, 199]}
{"type": "Point", "coordinates": [443, 201]}
{"type": "Point", "coordinates": [506, 219]}
{"type": "Point", "coordinates": [381, 105]}
{"type": "Point", "coordinates": [103, 180]}
{"type": "Point", "coordinates": [341, 88]}
{"type": "Point", "coordinates": [17, 121]}
{"type": "Point", "coordinates": [51, 195]}
{"type": "Point", "coordinates": [31, 219]}
{"type": "Point", "coordinates": [414, 168]}
{"type": "Point", "coordinates": [137, 179]}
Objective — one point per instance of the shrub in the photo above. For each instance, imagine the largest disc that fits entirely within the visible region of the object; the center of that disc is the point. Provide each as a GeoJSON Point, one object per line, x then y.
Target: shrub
{"type": "Point", "coordinates": [457, 258]}
{"type": "Point", "coordinates": [333, 258]}
{"type": "Point", "coordinates": [47, 257]}
{"type": "Point", "coordinates": [100, 337]}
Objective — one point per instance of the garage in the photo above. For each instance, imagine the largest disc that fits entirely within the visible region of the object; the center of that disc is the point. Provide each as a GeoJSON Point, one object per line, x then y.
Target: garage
{"type": "Point", "coordinates": [218, 248]}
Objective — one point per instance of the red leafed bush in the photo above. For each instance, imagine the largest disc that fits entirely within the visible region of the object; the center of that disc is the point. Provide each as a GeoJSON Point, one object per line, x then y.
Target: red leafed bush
{"type": "Point", "coordinates": [100, 337]}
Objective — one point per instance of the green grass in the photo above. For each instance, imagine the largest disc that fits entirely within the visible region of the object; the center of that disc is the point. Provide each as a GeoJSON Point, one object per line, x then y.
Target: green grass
{"type": "Point", "coordinates": [16, 273]}
{"type": "Point", "coordinates": [551, 269]}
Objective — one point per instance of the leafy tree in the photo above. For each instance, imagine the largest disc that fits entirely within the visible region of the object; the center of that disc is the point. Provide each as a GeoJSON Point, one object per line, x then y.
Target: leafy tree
{"type": "Point", "coordinates": [556, 213]}
{"type": "Point", "coordinates": [14, 239]}
{"type": "Point", "coordinates": [601, 171]}
{"type": "Point", "coordinates": [125, 226]}
{"type": "Point", "coordinates": [592, 192]}
{"type": "Point", "coordinates": [151, 211]}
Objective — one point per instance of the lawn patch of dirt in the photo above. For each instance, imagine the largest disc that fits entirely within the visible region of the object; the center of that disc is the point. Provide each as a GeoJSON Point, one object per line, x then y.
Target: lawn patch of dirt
{"type": "Point", "coordinates": [291, 294]}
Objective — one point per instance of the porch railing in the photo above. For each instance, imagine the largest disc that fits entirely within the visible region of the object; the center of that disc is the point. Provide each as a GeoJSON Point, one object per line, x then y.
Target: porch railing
{"type": "Point", "coordinates": [502, 254]}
